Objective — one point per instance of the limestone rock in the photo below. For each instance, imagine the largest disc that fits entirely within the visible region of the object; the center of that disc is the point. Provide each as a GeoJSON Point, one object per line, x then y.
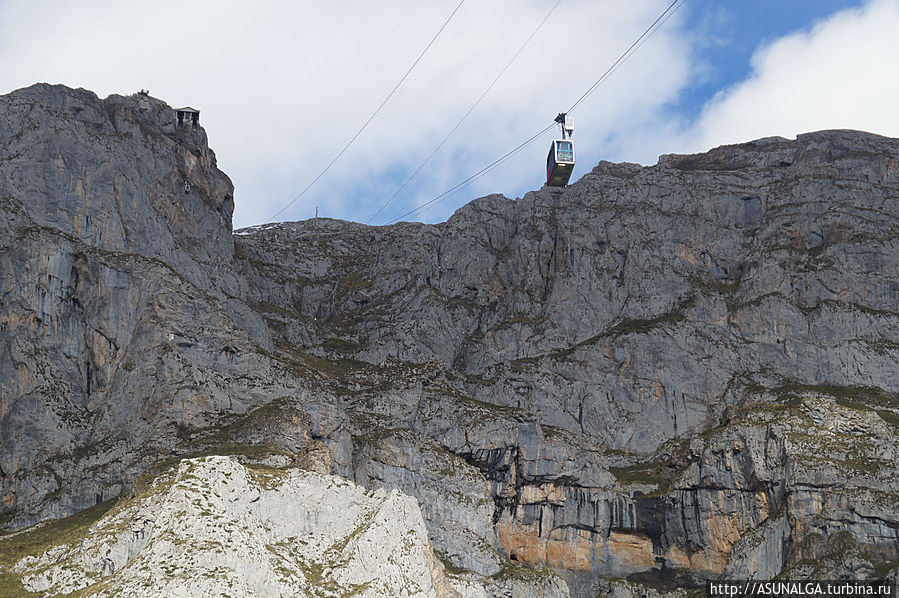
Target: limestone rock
{"type": "Point", "coordinates": [122, 320]}
{"type": "Point", "coordinates": [669, 373]}
{"type": "Point", "coordinates": [217, 527]}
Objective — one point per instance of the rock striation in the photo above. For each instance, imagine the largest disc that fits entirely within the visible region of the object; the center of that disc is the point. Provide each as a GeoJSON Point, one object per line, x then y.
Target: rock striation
{"type": "Point", "coordinates": [663, 374]}
{"type": "Point", "coordinates": [214, 527]}
{"type": "Point", "coordinates": [121, 315]}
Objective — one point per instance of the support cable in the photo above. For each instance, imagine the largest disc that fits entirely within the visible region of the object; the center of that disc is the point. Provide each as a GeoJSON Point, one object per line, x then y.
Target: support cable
{"type": "Point", "coordinates": [647, 33]}
{"type": "Point", "coordinates": [338, 99]}
{"type": "Point", "coordinates": [465, 116]}
{"type": "Point", "coordinates": [370, 118]}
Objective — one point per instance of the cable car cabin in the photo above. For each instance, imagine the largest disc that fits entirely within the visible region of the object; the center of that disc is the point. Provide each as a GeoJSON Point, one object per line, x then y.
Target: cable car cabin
{"type": "Point", "coordinates": [559, 163]}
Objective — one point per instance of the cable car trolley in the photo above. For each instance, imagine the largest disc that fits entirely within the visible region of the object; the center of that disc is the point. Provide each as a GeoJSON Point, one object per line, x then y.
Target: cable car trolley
{"type": "Point", "coordinates": [560, 161]}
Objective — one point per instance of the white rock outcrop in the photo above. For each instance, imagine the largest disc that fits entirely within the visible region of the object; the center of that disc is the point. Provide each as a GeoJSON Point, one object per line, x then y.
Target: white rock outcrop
{"type": "Point", "coordinates": [217, 528]}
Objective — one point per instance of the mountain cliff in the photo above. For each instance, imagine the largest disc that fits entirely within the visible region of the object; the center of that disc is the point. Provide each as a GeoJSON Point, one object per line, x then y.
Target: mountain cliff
{"type": "Point", "coordinates": [663, 374]}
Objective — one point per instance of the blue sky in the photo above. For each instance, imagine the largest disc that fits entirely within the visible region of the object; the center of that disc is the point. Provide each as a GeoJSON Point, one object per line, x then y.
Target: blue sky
{"type": "Point", "coordinates": [283, 85]}
{"type": "Point", "coordinates": [735, 30]}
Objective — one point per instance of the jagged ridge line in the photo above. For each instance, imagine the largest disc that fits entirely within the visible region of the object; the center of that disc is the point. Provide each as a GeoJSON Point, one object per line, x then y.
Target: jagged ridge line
{"type": "Point", "coordinates": [470, 110]}
{"type": "Point", "coordinates": [475, 176]}
{"type": "Point", "coordinates": [655, 26]}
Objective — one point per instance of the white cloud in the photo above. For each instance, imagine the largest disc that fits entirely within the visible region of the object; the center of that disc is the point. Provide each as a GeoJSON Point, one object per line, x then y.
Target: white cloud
{"type": "Point", "coordinates": [283, 85]}
{"type": "Point", "coordinates": [268, 79]}
{"type": "Point", "coordinates": [839, 74]}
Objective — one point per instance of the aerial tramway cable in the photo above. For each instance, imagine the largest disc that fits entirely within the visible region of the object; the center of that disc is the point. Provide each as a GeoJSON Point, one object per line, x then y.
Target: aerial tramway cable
{"type": "Point", "coordinates": [647, 33]}
{"type": "Point", "coordinates": [465, 116]}
{"type": "Point", "coordinates": [656, 25]}
{"type": "Point", "coordinates": [338, 99]}
{"type": "Point", "coordinates": [370, 118]}
{"type": "Point", "coordinates": [475, 176]}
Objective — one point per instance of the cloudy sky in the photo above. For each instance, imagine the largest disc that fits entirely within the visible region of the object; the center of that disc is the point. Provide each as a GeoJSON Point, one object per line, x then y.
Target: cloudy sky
{"type": "Point", "coordinates": [284, 85]}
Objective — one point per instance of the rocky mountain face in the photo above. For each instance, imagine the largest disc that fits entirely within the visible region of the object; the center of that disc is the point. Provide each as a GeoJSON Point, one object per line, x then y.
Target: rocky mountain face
{"type": "Point", "coordinates": [659, 374]}
{"type": "Point", "coordinates": [343, 540]}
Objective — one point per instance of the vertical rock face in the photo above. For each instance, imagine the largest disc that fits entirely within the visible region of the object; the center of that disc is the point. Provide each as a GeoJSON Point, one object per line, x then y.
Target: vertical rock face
{"type": "Point", "coordinates": [666, 373]}
{"type": "Point", "coordinates": [120, 306]}
{"type": "Point", "coordinates": [697, 329]}
{"type": "Point", "coordinates": [112, 174]}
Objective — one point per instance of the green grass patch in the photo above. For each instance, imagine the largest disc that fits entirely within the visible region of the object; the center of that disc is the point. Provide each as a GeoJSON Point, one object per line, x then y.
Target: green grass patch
{"type": "Point", "coordinates": [340, 345]}
{"type": "Point", "coordinates": [267, 477]}
{"type": "Point", "coordinates": [37, 540]}
{"type": "Point", "coordinates": [890, 417]}
{"type": "Point", "coordinates": [656, 473]}
{"type": "Point", "coordinates": [511, 570]}
{"type": "Point", "coordinates": [450, 569]}
{"type": "Point", "coordinates": [625, 326]}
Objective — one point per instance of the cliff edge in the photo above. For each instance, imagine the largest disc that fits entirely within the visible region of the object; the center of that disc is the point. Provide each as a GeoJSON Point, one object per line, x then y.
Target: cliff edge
{"type": "Point", "coordinates": [664, 374]}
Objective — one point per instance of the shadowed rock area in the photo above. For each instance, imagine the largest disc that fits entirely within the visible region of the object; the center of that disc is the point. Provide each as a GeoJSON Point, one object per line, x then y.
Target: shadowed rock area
{"type": "Point", "coordinates": [659, 374]}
